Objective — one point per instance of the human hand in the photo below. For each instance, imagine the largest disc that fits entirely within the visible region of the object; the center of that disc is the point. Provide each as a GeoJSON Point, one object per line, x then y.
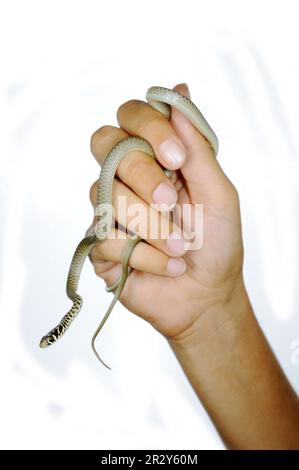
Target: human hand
{"type": "Point", "coordinates": [170, 287]}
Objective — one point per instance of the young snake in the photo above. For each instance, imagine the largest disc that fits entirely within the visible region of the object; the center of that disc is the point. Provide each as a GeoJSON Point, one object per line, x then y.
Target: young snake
{"type": "Point", "coordinates": [160, 99]}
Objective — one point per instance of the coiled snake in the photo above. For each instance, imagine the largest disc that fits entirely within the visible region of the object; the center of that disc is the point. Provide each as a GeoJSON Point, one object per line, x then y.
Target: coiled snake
{"type": "Point", "coordinates": [160, 99]}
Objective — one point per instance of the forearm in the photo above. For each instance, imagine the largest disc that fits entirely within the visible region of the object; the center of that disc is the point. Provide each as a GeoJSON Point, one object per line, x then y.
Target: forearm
{"type": "Point", "coordinates": [236, 376]}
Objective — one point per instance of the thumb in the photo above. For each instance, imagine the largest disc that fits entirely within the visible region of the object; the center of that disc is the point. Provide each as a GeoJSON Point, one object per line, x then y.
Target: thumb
{"type": "Point", "coordinates": [202, 173]}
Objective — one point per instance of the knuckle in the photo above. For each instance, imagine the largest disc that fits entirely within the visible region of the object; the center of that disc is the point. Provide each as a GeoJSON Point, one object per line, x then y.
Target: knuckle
{"type": "Point", "coordinates": [96, 257]}
{"type": "Point", "coordinates": [91, 257]}
{"type": "Point", "coordinates": [136, 166]}
{"type": "Point", "coordinates": [99, 135]}
{"type": "Point", "coordinates": [151, 123]}
{"type": "Point", "coordinates": [130, 105]}
{"type": "Point", "coordinates": [98, 269]}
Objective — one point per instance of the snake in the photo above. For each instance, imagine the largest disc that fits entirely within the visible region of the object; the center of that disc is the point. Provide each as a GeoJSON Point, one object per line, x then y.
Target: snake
{"type": "Point", "coordinates": [160, 99]}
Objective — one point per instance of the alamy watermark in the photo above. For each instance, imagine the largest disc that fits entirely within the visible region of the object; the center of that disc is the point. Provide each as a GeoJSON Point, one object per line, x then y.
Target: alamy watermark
{"type": "Point", "coordinates": [156, 222]}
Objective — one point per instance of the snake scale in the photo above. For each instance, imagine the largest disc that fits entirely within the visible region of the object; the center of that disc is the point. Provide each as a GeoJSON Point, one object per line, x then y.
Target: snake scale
{"type": "Point", "coordinates": [161, 99]}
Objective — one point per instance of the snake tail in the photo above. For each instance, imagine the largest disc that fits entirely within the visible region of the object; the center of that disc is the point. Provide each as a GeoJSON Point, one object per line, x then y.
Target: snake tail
{"type": "Point", "coordinates": [118, 287]}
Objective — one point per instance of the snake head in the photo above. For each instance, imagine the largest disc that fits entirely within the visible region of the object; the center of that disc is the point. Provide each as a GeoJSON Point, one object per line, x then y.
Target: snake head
{"type": "Point", "coordinates": [46, 341]}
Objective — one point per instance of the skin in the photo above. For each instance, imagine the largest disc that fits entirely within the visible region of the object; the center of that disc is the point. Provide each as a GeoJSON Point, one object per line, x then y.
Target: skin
{"type": "Point", "coordinates": [203, 309]}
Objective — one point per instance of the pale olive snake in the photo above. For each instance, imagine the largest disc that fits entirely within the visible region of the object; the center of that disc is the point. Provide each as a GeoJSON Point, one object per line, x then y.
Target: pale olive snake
{"type": "Point", "coordinates": [160, 99]}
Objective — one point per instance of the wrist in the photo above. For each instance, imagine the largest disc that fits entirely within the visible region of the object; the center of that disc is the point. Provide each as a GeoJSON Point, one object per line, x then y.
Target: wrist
{"type": "Point", "coordinates": [234, 373]}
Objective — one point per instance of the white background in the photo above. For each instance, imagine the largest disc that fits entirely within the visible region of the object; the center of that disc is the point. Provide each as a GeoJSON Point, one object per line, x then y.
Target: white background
{"type": "Point", "coordinates": [66, 66]}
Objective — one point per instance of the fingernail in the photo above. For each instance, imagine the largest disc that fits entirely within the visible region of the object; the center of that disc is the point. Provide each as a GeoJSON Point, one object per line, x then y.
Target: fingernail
{"type": "Point", "coordinates": [165, 194]}
{"type": "Point", "coordinates": [175, 244]}
{"type": "Point", "coordinates": [172, 153]}
{"type": "Point", "coordinates": [176, 267]}
{"type": "Point", "coordinates": [186, 90]}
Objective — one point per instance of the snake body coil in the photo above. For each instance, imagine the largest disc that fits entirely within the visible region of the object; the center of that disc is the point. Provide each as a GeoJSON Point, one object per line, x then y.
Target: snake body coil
{"type": "Point", "coordinates": [160, 99]}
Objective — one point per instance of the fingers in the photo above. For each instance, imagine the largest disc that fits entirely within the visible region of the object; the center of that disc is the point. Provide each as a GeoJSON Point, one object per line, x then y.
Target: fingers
{"type": "Point", "coordinates": [137, 170]}
{"type": "Point", "coordinates": [139, 118]}
{"type": "Point", "coordinates": [177, 145]}
{"type": "Point", "coordinates": [144, 257]}
{"type": "Point", "coordinates": [140, 218]}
